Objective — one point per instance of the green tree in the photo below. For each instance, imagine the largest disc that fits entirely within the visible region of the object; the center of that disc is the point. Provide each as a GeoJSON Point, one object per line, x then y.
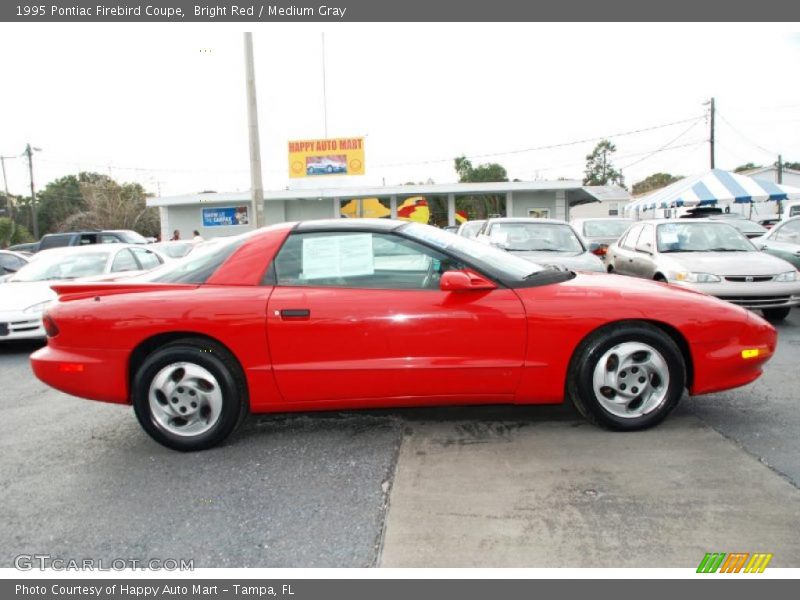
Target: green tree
{"type": "Point", "coordinates": [109, 205]}
{"type": "Point", "coordinates": [654, 182]}
{"type": "Point", "coordinates": [795, 166]}
{"type": "Point", "coordinates": [480, 207]}
{"type": "Point", "coordinates": [12, 233]}
{"type": "Point", "coordinates": [599, 168]}
{"type": "Point", "coordinates": [746, 167]}
{"type": "Point", "coordinates": [487, 172]}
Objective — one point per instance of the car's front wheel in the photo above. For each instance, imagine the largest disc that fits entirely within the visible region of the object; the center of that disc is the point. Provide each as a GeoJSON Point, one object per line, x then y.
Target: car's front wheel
{"type": "Point", "coordinates": [776, 315]}
{"type": "Point", "coordinates": [190, 394]}
{"type": "Point", "coordinates": [627, 376]}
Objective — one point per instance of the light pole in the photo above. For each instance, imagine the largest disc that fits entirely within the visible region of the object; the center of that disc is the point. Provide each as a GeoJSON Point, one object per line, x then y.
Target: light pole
{"type": "Point", "coordinates": [34, 219]}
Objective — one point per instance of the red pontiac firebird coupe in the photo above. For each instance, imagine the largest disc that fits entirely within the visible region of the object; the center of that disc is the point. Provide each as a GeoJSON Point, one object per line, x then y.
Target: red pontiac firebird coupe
{"type": "Point", "coordinates": [360, 313]}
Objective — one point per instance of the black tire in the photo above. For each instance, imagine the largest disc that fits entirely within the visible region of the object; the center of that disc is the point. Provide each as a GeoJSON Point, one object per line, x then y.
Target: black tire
{"type": "Point", "coordinates": [580, 375]}
{"type": "Point", "coordinates": [776, 315]}
{"type": "Point", "coordinates": [659, 277]}
{"type": "Point", "coordinates": [228, 374]}
{"type": "Point", "coordinates": [610, 269]}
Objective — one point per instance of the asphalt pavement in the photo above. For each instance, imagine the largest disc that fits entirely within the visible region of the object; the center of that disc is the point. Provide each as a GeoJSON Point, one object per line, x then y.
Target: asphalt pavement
{"type": "Point", "coordinates": [466, 486]}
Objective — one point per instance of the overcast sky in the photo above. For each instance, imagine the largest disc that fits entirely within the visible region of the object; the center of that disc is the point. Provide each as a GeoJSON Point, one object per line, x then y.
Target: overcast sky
{"type": "Point", "coordinates": [164, 104]}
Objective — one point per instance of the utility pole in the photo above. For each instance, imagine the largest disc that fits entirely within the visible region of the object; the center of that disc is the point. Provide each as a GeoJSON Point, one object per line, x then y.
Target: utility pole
{"type": "Point", "coordinates": [256, 185]}
{"type": "Point", "coordinates": [711, 139]}
{"type": "Point", "coordinates": [34, 218]}
{"type": "Point", "coordinates": [324, 88]}
{"type": "Point", "coordinates": [780, 181]}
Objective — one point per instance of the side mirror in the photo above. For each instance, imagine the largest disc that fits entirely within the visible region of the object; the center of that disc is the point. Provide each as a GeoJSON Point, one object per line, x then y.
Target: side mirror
{"type": "Point", "coordinates": [463, 281]}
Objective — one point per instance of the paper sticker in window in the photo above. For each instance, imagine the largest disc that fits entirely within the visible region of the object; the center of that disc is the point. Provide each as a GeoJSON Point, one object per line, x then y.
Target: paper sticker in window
{"type": "Point", "coordinates": [338, 256]}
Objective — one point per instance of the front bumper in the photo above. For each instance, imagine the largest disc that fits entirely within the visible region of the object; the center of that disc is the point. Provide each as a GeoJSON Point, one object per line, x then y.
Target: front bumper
{"type": "Point", "coordinates": [754, 295]}
{"type": "Point", "coordinates": [18, 325]}
{"type": "Point", "coordinates": [96, 374]}
{"type": "Point", "coordinates": [727, 364]}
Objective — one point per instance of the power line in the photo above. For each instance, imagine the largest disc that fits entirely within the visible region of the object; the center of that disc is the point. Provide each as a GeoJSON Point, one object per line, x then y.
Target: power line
{"type": "Point", "coordinates": [548, 146]}
{"type": "Point", "coordinates": [662, 148]}
{"type": "Point", "coordinates": [744, 137]}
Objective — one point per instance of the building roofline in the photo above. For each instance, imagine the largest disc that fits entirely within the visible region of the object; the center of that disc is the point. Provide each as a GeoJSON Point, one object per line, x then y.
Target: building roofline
{"type": "Point", "coordinates": [588, 193]}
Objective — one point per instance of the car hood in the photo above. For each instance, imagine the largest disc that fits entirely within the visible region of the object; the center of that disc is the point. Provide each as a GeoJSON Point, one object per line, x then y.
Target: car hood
{"type": "Point", "coordinates": [575, 262]}
{"type": "Point", "coordinates": [20, 295]}
{"type": "Point", "coordinates": [726, 263]}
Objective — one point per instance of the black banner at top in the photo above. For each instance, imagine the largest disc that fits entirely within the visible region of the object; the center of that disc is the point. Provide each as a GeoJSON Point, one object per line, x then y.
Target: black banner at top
{"type": "Point", "coordinates": [252, 11]}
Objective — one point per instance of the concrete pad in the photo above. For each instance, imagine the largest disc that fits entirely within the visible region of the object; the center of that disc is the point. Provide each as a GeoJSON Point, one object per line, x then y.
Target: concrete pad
{"type": "Point", "coordinates": [565, 494]}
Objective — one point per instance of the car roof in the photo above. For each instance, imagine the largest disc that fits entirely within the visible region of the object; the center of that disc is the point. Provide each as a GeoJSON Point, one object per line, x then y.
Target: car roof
{"type": "Point", "coordinates": [582, 219]}
{"type": "Point", "coordinates": [343, 224]}
{"type": "Point", "coordinates": [527, 220]}
{"type": "Point", "coordinates": [88, 249]}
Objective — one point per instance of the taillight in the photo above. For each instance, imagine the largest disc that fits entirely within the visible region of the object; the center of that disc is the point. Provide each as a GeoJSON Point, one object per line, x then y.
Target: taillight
{"type": "Point", "coordinates": [600, 251]}
{"type": "Point", "coordinates": [50, 327]}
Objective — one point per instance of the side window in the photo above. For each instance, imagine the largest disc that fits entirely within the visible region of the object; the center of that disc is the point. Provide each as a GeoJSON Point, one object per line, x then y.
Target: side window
{"type": "Point", "coordinates": [88, 238]}
{"type": "Point", "coordinates": [10, 262]}
{"type": "Point", "coordinates": [646, 240]}
{"type": "Point", "coordinates": [790, 233]}
{"type": "Point", "coordinates": [148, 260]}
{"type": "Point", "coordinates": [106, 238]}
{"type": "Point", "coordinates": [54, 241]}
{"type": "Point", "coordinates": [630, 239]}
{"type": "Point", "coordinates": [124, 261]}
{"type": "Point", "coordinates": [359, 260]}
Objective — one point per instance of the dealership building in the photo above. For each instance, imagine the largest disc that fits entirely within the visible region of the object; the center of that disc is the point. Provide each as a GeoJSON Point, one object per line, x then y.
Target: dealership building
{"type": "Point", "coordinates": [216, 214]}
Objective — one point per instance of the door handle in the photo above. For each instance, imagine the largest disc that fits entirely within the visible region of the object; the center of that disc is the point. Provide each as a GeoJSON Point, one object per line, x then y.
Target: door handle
{"type": "Point", "coordinates": [295, 313]}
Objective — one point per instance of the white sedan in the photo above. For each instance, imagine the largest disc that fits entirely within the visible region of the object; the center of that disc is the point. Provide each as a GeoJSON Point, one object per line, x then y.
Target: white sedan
{"type": "Point", "coordinates": [26, 293]}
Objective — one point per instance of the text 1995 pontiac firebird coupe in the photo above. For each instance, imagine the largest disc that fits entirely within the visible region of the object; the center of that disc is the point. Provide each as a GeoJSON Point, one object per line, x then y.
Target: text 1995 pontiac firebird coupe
{"type": "Point", "coordinates": [362, 313]}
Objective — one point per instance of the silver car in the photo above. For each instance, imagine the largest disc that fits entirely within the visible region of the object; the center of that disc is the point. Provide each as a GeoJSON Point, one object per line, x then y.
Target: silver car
{"type": "Point", "coordinates": [599, 233]}
{"type": "Point", "coordinates": [541, 241]}
{"type": "Point", "coordinates": [471, 229]}
{"type": "Point", "coordinates": [708, 256]}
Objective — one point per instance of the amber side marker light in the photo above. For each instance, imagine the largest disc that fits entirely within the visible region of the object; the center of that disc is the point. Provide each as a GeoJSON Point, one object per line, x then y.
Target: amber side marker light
{"type": "Point", "coordinates": [753, 352]}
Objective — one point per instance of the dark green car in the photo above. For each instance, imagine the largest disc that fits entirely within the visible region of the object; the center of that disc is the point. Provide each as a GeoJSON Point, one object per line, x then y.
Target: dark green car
{"type": "Point", "coordinates": [783, 241]}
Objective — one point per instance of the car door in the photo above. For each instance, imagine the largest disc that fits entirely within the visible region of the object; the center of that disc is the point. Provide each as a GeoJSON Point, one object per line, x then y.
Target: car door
{"type": "Point", "coordinates": [784, 242]}
{"type": "Point", "coordinates": [643, 264]}
{"type": "Point", "coordinates": [358, 317]}
{"type": "Point", "coordinates": [625, 251]}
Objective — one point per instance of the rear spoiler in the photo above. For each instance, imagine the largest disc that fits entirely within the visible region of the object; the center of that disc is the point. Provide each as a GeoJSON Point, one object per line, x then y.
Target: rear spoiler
{"type": "Point", "coordinates": [78, 290]}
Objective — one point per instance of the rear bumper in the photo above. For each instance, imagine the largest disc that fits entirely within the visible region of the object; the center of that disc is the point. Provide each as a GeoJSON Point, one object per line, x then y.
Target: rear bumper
{"type": "Point", "coordinates": [730, 364]}
{"type": "Point", "coordinates": [95, 374]}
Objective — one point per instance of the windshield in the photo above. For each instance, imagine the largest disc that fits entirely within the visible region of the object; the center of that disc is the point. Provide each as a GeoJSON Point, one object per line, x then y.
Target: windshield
{"type": "Point", "coordinates": [471, 228]}
{"type": "Point", "coordinates": [174, 249]}
{"type": "Point", "coordinates": [747, 226]}
{"type": "Point", "coordinates": [535, 237]}
{"type": "Point", "coordinates": [483, 256]}
{"type": "Point", "coordinates": [199, 265]}
{"type": "Point", "coordinates": [701, 237]}
{"type": "Point", "coordinates": [606, 229]}
{"type": "Point", "coordinates": [63, 266]}
{"type": "Point", "coordinates": [131, 237]}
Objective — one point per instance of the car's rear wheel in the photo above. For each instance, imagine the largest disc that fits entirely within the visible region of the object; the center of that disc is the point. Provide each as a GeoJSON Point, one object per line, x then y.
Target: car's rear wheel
{"type": "Point", "coordinates": [190, 394]}
{"type": "Point", "coordinates": [776, 315]}
{"type": "Point", "coordinates": [627, 376]}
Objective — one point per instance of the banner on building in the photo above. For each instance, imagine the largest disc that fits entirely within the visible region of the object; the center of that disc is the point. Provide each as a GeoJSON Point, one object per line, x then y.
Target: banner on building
{"type": "Point", "coordinates": [336, 156]}
{"type": "Point", "coordinates": [231, 215]}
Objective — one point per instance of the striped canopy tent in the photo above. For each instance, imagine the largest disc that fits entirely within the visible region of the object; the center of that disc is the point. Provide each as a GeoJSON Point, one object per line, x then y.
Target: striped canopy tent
{"type": "Point", "coordinates": [715, 186]}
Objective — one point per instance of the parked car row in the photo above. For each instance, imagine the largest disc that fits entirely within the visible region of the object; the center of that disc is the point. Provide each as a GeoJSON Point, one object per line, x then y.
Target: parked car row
{"type": "Point", "coordinates": [27, 291]}
{"type": "Point", "coordinates": [723, 255]}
